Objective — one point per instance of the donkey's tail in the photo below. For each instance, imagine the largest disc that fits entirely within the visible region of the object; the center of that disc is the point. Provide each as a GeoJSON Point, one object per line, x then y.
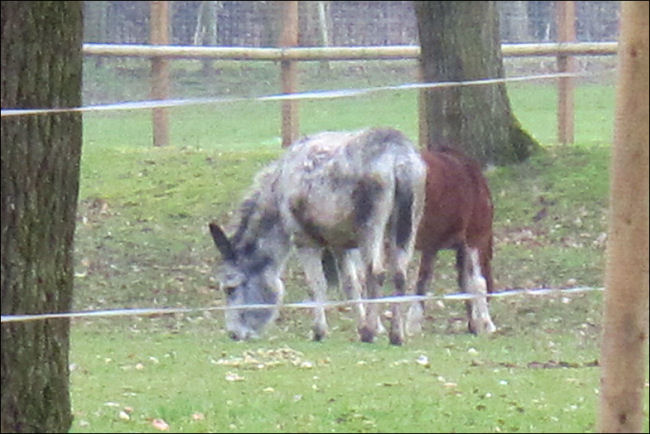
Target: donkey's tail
{"type": "Point", "coordinates": [404, 199]}
{"type": "Point", "coordinates": [409, 200]}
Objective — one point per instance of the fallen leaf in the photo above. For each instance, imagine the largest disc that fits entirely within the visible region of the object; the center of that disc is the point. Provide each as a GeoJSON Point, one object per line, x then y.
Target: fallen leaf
{"type": "Point", "coordinates": [233, 376]}
{"type": "Point", "coordinates": [160, 425]}
{"type": "Point", "coordinates": [423, 361]}
{"type": "Point", "coordinates": [388, 384]}
{"type": "Point", "coordinates": [198, 416]}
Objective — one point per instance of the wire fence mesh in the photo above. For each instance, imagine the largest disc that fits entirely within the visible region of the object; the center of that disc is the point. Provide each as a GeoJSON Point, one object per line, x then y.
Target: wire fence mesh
{"type": "Point", "coordinates": [338, 23]}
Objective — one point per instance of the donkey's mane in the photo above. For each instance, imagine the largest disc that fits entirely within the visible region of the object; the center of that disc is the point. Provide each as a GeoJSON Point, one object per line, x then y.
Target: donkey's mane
{"type": "Point", "coordinates": [261, 191]}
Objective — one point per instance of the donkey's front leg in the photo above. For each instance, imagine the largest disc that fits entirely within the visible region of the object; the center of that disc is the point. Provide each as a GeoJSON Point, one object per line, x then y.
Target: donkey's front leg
{"type": "Point", "coordinates": [312, 265]}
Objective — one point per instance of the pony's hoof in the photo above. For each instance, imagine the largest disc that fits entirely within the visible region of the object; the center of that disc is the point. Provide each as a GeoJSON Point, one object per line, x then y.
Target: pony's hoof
{"type": "Point", "coordinates": [414, 318]}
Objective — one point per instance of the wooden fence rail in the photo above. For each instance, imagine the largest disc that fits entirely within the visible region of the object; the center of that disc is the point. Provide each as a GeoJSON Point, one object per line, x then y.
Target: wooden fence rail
{"type": "Point", "coordinates": [334, 53]}
{"type": "Point", "coordinates": [288, 55]}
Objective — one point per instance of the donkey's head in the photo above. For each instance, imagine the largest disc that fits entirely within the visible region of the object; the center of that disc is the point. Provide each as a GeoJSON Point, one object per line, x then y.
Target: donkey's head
{"type": "Point", "coordinates": [247, 279]}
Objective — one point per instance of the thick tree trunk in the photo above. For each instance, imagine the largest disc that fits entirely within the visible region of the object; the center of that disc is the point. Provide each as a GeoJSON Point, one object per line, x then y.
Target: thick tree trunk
{"type": "Point", "coordinates": [41, 67]}
{"type": "Point", "coordinates": [460, 41]}
{"type": "Point", "coordinates": [625, 324]}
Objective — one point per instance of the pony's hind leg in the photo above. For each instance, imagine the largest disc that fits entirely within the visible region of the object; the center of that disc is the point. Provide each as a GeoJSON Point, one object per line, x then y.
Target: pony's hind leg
{"type": "Point", "coordinates": [312, 265]}
{"type": "Point", "coordinates": [473, 283]}
{"type": "Point", "coordinates": [425, 272]}
{"type": "Point", "coordinates": [415, 314]}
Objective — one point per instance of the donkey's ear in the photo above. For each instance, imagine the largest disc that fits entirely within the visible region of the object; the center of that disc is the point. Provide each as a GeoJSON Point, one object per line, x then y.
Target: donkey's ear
{"type": "Point", "coordinates": [222, 242]}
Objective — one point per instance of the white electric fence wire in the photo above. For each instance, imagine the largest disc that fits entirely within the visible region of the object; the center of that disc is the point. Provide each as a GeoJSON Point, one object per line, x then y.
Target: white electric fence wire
{"type": "Point", "coordinates": [316, 94]}
{"type": "Point", "coordinates": [304, 305]}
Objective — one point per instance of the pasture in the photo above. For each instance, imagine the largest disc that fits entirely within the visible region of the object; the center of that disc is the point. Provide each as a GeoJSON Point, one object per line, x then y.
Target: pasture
{"type": "Point", "coordinates": [142, 241]}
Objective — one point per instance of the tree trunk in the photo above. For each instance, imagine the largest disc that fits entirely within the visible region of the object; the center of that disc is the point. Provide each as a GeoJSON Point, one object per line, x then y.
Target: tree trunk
{"type": "Point", "coordinates": [41, 67]}
{"type": "Point", "coordinates": [625, 324]}
{"type": "Point", "coordinates": [460, 41]}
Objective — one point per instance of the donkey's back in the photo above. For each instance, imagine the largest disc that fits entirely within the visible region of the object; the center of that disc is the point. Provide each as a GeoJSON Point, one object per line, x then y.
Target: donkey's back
{"type": "Point", "coordinates": [333, 185]}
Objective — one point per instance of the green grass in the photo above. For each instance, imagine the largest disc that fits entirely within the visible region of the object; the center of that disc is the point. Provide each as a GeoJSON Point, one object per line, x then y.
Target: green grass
{"type": "Point", "coordinates": [142, 241]}
{"type": "Point", "coordinates": [445, 381]}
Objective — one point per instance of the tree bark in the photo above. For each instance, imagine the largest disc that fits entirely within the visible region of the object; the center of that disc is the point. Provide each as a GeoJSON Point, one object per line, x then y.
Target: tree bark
{"type": "Point", "coordinates": [41, 67]}
{"type": "Point", "coordinates": [625, 324]}
{"type": "Point", "coordinates": [459, 42]}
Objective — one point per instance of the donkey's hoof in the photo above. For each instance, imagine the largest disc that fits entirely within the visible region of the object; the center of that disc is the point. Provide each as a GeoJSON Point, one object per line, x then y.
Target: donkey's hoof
{"type": "Point", "coordinates": [481, 327]}
{"type": "Point", "coordinates": [319, 335]}
{"type": "Point", "coordinates": [366, 334]}
{"type": "Point", "coordinates": [396, 339]}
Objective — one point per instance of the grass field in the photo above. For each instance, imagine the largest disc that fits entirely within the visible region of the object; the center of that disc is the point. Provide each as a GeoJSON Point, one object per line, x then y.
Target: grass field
{"type": "Point", "coordinates": [142, 241]}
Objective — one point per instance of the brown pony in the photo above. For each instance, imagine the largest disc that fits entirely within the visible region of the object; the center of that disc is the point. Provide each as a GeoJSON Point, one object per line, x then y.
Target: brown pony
{"type": "Point", "coordinates": [458, 215]}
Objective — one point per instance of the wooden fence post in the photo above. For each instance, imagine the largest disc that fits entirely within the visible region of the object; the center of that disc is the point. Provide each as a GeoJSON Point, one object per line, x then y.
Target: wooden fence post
{"type": "Point", "coordinates": [159, 35]}
{"type": "Point", "coordinates": [566, 32]}
{"type": "Point", "coordinates": [625, 319]}
{"type": "Point", "coordinates": [289, 38]}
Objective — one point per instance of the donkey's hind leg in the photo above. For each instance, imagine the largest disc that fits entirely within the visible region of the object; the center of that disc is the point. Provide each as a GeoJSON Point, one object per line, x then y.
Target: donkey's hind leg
{"type": "Point", "coordinates": [353, 281]}
{"type": "Point", "coordinates": [372, 257]}
{"type": "Point", "coordinates": [473, 283]}
{"type": "Point", "coordinates": [400, 253]}
{"type": "Point", "coordinates": [312, 265]}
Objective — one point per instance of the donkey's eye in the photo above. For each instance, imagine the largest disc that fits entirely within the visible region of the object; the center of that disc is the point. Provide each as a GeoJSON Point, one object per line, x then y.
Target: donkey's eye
{"type": "Point", "coordinates": [229, 289]}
